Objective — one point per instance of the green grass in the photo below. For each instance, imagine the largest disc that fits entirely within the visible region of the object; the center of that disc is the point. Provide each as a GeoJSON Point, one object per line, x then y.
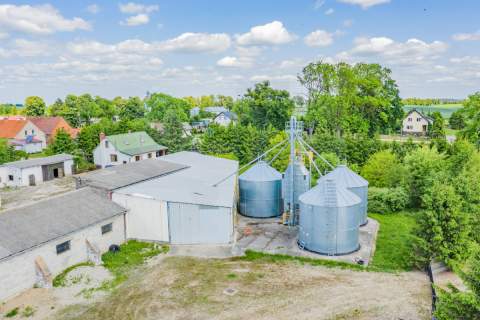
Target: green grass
{"type": "Point", "coordinates": [256, 256]}
{"type": "Point", "coordinates": [393, 250]}
{"type": "Point", "coordinates": [451, 132]}
{"type": "Point", "coordinates": [12, 313]}
{"type": "Point", "coordinates": [132, 254]}
{"type": "Point", "coordinates": [61, 279]}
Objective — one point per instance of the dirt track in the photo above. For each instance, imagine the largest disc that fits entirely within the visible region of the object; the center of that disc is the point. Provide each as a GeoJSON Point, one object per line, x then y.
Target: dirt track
{"type": "Point", "coordinates": [189, 288]}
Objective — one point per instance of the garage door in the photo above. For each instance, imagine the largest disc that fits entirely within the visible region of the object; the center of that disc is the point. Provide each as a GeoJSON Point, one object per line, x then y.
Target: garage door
{"type": "Point", "coordinates": [198, 224]}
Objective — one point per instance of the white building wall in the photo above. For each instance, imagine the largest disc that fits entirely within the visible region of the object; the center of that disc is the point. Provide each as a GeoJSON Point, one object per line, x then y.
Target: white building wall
{"type": "Point", "coordinates": [414, 123]}
{"type": "Point", "coordinates": [67, 167]}
{"type": "Point", "coordinates": [102, 153]}
{"type": "Point", "coordinates": [31, 129]}
{"type": "Point", "coordinates": [35, 171]}
{"type": "Point", "coordinates": [147, 219]}
{"type": "Point", "coordinates": [18, 273]}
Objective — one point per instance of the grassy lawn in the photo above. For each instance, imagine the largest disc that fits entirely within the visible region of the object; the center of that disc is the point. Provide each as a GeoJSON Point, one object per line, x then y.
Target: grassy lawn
{"type": "Point", "coordinates": [445, 109]}
{"type": "Point", "coordinates": [451, 132]}
{"type": "Point", "coordinates": [393, 251]}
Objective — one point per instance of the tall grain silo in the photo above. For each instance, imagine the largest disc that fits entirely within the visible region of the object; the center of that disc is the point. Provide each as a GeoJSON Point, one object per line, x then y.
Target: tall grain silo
{"type": "Point", "coordinates": [355, 183]}
{"type": "Point", "coordinates": [329, 219]}
{"type": "Point", "coordinates": [301, 183]}
{"type": "Point", "coordinates": [260, 191]}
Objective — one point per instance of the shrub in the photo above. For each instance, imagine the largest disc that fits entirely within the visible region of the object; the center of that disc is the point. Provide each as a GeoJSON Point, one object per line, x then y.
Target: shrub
{"type": "Point", "coordinates": [383, 170]}
{"type": "Point", "coordinates": [387, 200]}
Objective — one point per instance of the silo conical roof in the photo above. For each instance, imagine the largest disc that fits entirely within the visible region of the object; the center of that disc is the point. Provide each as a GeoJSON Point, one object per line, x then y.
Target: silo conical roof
{"type": "Point", "coordinates": [261, 172]}
{"type": "Point", "coordinates": [343, 175]}
{"type": "Point", "coordinates": [327, 193]}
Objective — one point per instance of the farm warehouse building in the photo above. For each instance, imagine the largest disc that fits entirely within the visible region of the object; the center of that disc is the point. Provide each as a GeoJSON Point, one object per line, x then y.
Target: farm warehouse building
{"type": "Point", "coordinates": [183, 207]}
{"type": "Point", "coordinates": [34, 171]}
{"type": "Point", "coordinates": [41, 240]}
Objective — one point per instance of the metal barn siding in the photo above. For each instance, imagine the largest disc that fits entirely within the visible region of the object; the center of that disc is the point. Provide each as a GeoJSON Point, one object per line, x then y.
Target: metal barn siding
{"type": "Point", "coordinates": [199, 224]}
{"type": "Point", "coordinates": [355, 183]}
{"type": "Point", "coordinates": [260, 191]}
{"type": "Point", "coordinates": [301, 183]}
{"type": "Point", "coordinates": [329, 219]}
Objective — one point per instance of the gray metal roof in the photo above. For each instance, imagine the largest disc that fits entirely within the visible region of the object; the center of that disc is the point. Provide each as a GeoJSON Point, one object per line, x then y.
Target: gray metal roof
{"type": "Point", "coordinates": [39, 161]}
{"type": "Point", "coordinates": [126, 174]}
{"type": "Point", "coordinates": [327, 193]}
{"type": "Point", "coordinates": [26, 227]}
{"type": "Point", "coordinates": [343, 175]}
{"type": "Point", "coordinates": [261, 171]}
{"type": "Point", "coordinates": [192, 185]}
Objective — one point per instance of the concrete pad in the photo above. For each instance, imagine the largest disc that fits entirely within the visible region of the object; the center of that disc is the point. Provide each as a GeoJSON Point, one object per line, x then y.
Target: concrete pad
{"type": "Point", "coordinates": [270, 236]}
{"type": "Point", "coordinates": [202, 251]}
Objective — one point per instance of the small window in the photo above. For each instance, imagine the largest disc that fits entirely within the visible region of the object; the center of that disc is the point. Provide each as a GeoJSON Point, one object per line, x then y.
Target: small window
{"type": "Point", "coordinates": [113, 158]}
{"type": "Point", "coordinates": [107, 228]}
{"type": "Point", "coordinates": [33, 132]}
{"type": "Point", "coordinates": [137, 158]}
{"type": "Point", "coordinates": [26, 132]}
{"type": "Point", "coordinates": [124, 161]}
{"type": "Point", "coordinates": [106, 144]}
{"type": "Point", "coordinates": [10, 177]}
{"type": "Point", "coordinates": [149, 156]}
{"type": "Point", "coordinates": [409, 119]}
{"type": "Point", "coordinates": [159, 153]}
{"type": "Point", "coordinates": [62, 247]}
{"type": "Point", "coordinates": [418, 119]}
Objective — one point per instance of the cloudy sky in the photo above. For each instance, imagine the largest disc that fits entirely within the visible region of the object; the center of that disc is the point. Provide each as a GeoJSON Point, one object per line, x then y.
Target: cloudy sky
{"type": "Point", "coordinates": [195, 47]}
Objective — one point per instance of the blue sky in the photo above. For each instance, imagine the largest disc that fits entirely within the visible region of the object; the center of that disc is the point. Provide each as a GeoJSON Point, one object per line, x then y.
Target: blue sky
{"type": "Point", "coordinates": [195, 47]}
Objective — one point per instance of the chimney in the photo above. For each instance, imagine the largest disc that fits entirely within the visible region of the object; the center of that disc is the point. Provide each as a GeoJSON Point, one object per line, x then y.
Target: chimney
{"type": "Point", "coordinates": [102, 136]}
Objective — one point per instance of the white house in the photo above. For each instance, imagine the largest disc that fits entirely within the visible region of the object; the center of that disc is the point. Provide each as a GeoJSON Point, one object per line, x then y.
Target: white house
{"type": "Point", "coordinates": [33, 171]}
{"type": "Point", "coordinates": [124, 148]}
{"type": "Point", "coordinates": [184, 206]}
{"type": "Point", "coordinates": [416, 123]}
{"type": "Point", "coordinates": [23, 134]}
{"type": "Point", "coordinates": [225, 118]}
{"type": "Point", "coordinates": [41, 240]}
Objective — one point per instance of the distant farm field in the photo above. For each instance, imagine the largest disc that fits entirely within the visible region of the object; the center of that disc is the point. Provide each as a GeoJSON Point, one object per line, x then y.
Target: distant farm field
{"type": "Point", "coordinates": [445, 109]}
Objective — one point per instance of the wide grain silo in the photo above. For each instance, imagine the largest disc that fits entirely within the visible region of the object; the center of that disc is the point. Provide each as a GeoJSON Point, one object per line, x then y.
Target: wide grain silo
{"type": "Point", "coordinates": [355, 183]}
{"type": "Point", "coordinates": [260, 191]}
{"type": "Point", "coordinates": [328, 221]}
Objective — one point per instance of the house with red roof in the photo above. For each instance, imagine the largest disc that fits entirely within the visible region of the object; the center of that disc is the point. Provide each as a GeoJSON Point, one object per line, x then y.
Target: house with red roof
{"type": "Point", "coordinates": [33, 134]}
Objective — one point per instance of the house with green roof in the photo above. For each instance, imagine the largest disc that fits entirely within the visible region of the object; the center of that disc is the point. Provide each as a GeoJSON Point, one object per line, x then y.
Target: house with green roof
{"type": "Point", "coordinates": [124, 148]}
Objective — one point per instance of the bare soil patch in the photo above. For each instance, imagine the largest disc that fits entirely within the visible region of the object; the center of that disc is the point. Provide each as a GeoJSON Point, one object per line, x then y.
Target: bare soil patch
{"type": "Point", "coordinates": [192, 288]}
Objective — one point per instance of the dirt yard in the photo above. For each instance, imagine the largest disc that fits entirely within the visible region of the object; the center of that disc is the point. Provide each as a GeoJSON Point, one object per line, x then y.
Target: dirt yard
{"type": "Point", "coordinates": [21, 196]}
{"type": "Point", "coordinates": [192, 288]}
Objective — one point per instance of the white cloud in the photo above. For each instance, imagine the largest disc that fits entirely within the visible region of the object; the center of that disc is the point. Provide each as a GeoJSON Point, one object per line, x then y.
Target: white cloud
{"type": "Point", "coordinates": [475, 36]}
{"type": "Point", "coordinates": [292, 63]}
{"type": "Point", "coordinates": [318, 4]}
{"type": "Point", "coordinates": [413, 51]}
{"type": "Point", "coordinates": [137, 20]}
{"type": "Point", "coordinates": [273, 33]}
{"type": "Point", "coordinates": [347, 23]}
{"type": "Point", "coordinates": [365, 4]}
{"type": "Point", "coordinates": [234, 62]}
{"type": "Point", "coordinates": [3, 35]}
{"type": "Point", "coordinates": [43, 19]}
{"type": "Point", "coordinates": [319, 38]}
{"type": "Point", "coordinates": [263, 77]}
{"type": "Point", "coordinates": [329, 11]}
{"type": "Point", "coordinates": [197, 42]}
{"type": "Point", "coordinates": [140, 13]}
{"type": "Point", "coordinates": [93, 8]}
{"type": "Point", "coordinates": [27, 48]}
{"type": "Point", "coordinates": [136, 8]}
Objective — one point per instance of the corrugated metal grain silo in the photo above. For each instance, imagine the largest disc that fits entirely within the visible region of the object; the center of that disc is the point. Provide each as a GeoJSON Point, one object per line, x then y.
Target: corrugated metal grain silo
{"type": "Point", "coordinates": [301, 183]}
{"type": "Point", "coordinates": [355, 183]}
{"type": "Point", "coordinates": [329, 219]}
{"type": "Point", "coordinates": [260, 191]}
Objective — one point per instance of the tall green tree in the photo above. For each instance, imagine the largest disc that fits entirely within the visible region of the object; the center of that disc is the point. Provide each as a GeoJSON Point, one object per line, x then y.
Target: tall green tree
{"type": "Point", "coordinates": [457, 120]}
{"type": "Point", "coordinates": [35, 106]}
{"type": "Point", "coordinates": [424, 166]}
{"type": "Point", "coordinates": [351, 99]}
{"type": "Point", "coordinates": [132, 108]}
{"type": "Point", "coordinates": [443, 228]}
{"type": "Point", "coordinates": [173, 135]}
{"type": "Point", "coordinates": [383, 170]}
{"type": "Point", "coordinates": [472, 112]}
{"type": "Point", "coordinates": [160, 103]}
{"type": "Point", "coordinates": [263, 106]}
{"type": "Point", "coordinates": [8, 153]}
{"type": "Point", "coordinates": [62, 143]}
